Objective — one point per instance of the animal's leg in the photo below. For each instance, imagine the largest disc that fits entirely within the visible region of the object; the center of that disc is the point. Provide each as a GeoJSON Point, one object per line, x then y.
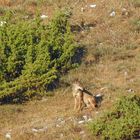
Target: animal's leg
{"type": "Point", "coordinates": [92, 104]}
{"type": "Point", "coordinates": [76, 104]}
{"type": "Point", "coordinates": [79, 104]}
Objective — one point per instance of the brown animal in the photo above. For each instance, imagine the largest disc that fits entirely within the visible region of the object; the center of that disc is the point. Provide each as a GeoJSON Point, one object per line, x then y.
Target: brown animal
{"type": "Point", "coordinates": [83, 97]}
{"type": "Point", "coordinates": [78, 95]}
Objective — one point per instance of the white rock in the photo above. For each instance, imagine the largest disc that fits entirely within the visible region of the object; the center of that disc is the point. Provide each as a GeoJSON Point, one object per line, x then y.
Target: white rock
{"type": "Point", "coordinates": [44, 16]}
{"type": "Point", "coordinates": [112, 14]}
{"type": "Point", "coordinates": [43, 129]}
{"type": "Point", "coordinates": [85, 117]}
{"type": "Point", "coordinates": [58, 125]}
{"type": "Point", "coordinates": [130, 90]}
{"type": "Point", "coordinates": [92, 5]}
{"type": "Point", "coordinates": [8, 135]}
{"type": "Point", "coordinates": [89, 120]}
{"type": "Point", "coordinates": [2, 23]}
{"type": "Point", "coordinates": [34, 130]}
{"type": "Point", "coordinates": [126, 73]}
{"type": "Point", "coordinates": [82, 132]}
{"type": "Point", "coordinates": [124, 10]}
{"type": "Point", "coordinates": [82, 9]}
{"type": "Point", "coordinates": [81, 122]}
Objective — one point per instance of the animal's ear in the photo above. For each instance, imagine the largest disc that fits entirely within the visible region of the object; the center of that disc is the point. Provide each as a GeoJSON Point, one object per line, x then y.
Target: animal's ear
{"type": "Point", "coordinates": [76, 80]}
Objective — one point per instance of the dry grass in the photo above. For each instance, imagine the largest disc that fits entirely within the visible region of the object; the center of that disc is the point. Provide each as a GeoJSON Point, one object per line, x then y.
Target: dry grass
{"type": "Point", "coordinates": [110, 66]}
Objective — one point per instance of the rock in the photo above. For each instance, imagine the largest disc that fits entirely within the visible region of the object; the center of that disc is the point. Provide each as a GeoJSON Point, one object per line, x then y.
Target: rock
{"type": "Point", "coordinates": [112, 14]}
{"type": "Point", "coordinates": [34, 130]}
{"type": "Point", "coordinates": [130, 90]}
{"type": "Point", "coordinates": [125, 73]}
{"type": "Point", "coordinates": [82, 9]}
{"type": "Point", "coordinates": [57, 125]}
{"type": "Point", "coordinates": [8, 136]}
{"type": "Point", "coordinates": [125, 12]}
{"type": "Point", "coordinates": [43, 129]}
{"type": "Point", "coordinates": [39, 129]}
{"type": "Point", "coordinates": [92, 5]}
{"type": "Point", "coordinates": [43, 16]}
{"type": "Point", "coordinates": [89, 119]}
{"type": "Point", "coordinates": [2, 23]}
{"type": "Point", "coordinates": [85, 117]}
{"type": "Point", "coordinates": [81, 122]}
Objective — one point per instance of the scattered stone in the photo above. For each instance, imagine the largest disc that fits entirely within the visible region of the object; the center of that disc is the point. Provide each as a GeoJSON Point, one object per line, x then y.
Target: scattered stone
{"type": "Point", "coordinates": [57, 125]}
{"type": "Point", "coordinates": [43, 129]}
{"type": "Point", "coordinates": [125, 73]}
{"type": "Point", "coordinates": [89, 120]}
{"type": "Point", "coordinates": [92, 5]}
{"type": "Point", "coordinates": [82, 9]}
{"type": "Point", "coordinates": [112, 14]}
{"type": "Point", "coordinates": [44, 16]}
{"type": "Point", "coordinates": [34, 130]}
{"type": "Point", "coordinates": [125, 12]}
{"type": "Point", "coordinates": [85, 118]}
{"type": "Point", "coordinates": [8, 136]}
{"type": "Point", "coordinates": [130, 90]}
{"type": "Point", "coordinates": [81, 122]}
{"type": "Point", "coordinates": [39, 129]}
{"type": "Point", "coordinates": [2, 23]}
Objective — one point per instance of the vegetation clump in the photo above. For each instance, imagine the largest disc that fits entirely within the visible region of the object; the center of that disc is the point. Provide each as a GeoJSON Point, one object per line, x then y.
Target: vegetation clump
{"type": "Point", "coordinates": [33, 55]}
{"type": "Point", "coordinates": [122, 123]}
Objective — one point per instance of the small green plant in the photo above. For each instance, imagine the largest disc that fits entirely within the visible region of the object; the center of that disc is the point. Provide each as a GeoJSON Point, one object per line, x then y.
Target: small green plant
{"type": "Point", "coordinates": [122, 123]}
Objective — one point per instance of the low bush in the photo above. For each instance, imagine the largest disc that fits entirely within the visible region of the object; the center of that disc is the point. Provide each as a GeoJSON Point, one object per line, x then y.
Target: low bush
{"type": "Point", "coordinates": [33, 55]}
{"type": "Point", "coordinates": [122, 123]}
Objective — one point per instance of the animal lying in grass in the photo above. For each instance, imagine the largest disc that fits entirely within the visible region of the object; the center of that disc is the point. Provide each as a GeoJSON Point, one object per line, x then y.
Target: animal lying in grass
{"type": "Point", "coordinates": [83, 98]}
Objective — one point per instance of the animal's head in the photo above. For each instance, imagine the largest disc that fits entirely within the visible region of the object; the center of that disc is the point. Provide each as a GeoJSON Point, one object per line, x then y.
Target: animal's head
{"type": "Point", "coordinates": [99, 99]}
{"type": "Point", "coordinates": [77, 85]}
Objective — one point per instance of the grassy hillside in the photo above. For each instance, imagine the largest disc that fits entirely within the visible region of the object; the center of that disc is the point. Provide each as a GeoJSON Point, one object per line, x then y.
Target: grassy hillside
{"type": "Point", "coordinates": [109, 33]}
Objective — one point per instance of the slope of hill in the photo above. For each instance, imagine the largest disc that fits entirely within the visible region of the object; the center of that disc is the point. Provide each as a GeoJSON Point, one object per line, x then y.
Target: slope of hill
{"type": "Point", "coordinates": [109, 33]}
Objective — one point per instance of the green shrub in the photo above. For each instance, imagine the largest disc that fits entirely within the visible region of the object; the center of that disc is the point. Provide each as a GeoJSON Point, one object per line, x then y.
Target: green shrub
{"type": "Point", "coordinates": [122, 123]}
{"type": "Point", "coordinates": [33, 55]}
